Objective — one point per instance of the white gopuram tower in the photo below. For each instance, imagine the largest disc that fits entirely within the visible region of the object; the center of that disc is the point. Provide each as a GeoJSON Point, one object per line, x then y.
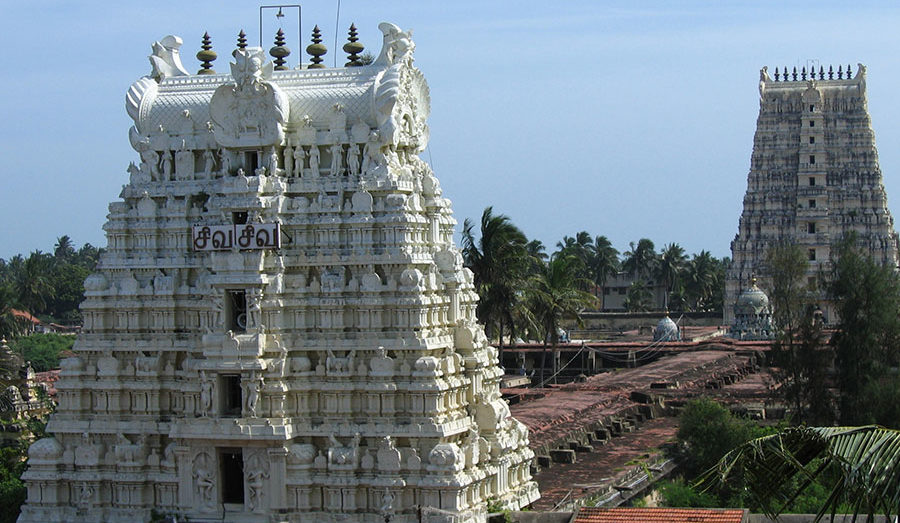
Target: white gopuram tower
{"type": "Point", "coordinates": [281, 328]}
{"type": "Point", "coordinates": [814, 176]}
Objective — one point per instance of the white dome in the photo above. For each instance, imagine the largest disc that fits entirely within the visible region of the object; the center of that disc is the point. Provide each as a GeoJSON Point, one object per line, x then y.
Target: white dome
{"type": "Point", "coordinates": [666, 330]}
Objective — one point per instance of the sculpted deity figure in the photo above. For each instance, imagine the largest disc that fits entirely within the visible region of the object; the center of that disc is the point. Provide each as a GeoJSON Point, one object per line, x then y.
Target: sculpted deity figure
{"type": "Point", "coordinates": [204, 479]}
{"type": "Point", "coordinates": [85, 495]}
{"type": "Point", "coordinates": [166, 165]}
{"type": "Point", "coordinates": [255, 486]}
{"type": "Point", "coordinates": [209, 162]}
{"type": "Point", "coordinates": [206, 394]}
{"type": "Point", "coordinates": [150, 164]}
{"type": "Point", "coordinates": [253, 388]}
{"type": "Point", "coordinates": [372, 156]}
{"type": "Point", "coordinates": [218, 309]}
{"type": "Point", "coordinates": [353, 159]}
{"type": "Point", "coordinates": [299, 160]}
{"type": "Point", "coordinates": [387, 503]}
{"type": "Point", "coordinates": [225, 162]}
{"type": "Point", "coordinates": [314, 161]}
{"type": "Point", "coordinates": [288, 160]}
{"type": "Point", "coordinates": [337, 151]}
{"type": "Point", "coordinates": [272, 161]}
{"type": "Point", "coordinates": [254, 308]}
{"type": "Point", "coordinates": [343, 455]}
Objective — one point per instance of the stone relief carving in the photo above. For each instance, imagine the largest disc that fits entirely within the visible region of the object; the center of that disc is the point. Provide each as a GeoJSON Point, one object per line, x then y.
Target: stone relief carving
{"type": "Point", "coordinates": [206, 394]}
{"type": "Point", "coordinates": [251, 111]}
{"type": "Point", "coordinates": [257, 471]}
{"type": "Point", "coordinates": [302, 453]}
{"type": "Point", "coordinates": [253, 388]}
{"type": "Point", "coordinates": [346, 455]}
{"type": "Point", "coordinates": [388, 455]}
{"type": "Point", "coordinates": [166, 60]}
{"type": "Point", "coordinates": [203, 472]}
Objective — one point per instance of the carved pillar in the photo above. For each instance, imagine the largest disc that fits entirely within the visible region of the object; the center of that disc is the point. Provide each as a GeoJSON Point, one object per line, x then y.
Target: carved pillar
{"type": "Point", "coordinates": [185, 481]}
{"type": "Point", "coordinates": [277, 478]}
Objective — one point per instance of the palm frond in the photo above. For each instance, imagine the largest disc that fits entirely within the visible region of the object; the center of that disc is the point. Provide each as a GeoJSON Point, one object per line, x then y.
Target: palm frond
{"type": "Point", "coordinates": [867, 459]}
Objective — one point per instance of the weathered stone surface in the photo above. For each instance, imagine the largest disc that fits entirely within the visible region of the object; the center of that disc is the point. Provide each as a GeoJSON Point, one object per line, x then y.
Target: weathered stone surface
{"type": "Point", "coordinates": [814, 176]}
{"type": "Point", "coordinates": [281, 327]}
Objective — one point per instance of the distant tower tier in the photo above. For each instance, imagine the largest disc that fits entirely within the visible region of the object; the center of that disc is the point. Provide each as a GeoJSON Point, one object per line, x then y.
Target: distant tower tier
{"type": "Point", "coordinates": [814, 177]}
{"type": "Point", "coordinates": [281, 328]}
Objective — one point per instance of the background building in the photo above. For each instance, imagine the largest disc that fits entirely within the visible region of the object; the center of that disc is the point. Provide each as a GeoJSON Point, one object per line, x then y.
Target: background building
{"type": "Point", "coordinates": [814, 176]}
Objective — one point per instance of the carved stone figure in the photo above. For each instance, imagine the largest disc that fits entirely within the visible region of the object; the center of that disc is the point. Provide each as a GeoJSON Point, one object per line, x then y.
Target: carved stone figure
{"type": "Point", "coordinates": [372, 155]}
{"type": "Point", "coordinates": [299, 160]}
{"type": "Point", "coordinates": [204, 479]}
{"type": "Point", "coordinates": [314, 161]}
{"type": "Point", "coordinates": [388, 455]}
{"type": "Point", "coordinates": [339, 454]}
{"type": "Point", "coordinates": [206, 394]}
{"type": "Point", "coordinates": [257, 473]}
{"type": "Point", "coordinates": [288, 161]}
{"type": "Point", "coordinates": [353, 159]}
{"type": "Point", "coordinates": [225, 162]}
{"type": "Point", "coordinates": [165, 60]}
{"type": "Point", "coordinates": [166, 165]}
{"type": "Point", "coordinates": [254, 308]}
{"type": "Point", "coordinates": [253, 389]}
{"type": "Point", "coordinates": [209, 162]}
{"type": "Point", "coordinates": [337, 153]}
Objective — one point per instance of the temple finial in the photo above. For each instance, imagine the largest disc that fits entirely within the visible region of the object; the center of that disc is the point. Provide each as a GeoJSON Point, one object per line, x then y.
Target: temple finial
{"type": "Point", "coordinates": [831, 72]}
{"type": "Point", "coordinates": [280, 51]}
{"type": "Point", "coordinates": [206, 55]}
{"type": "Point", "coordinates": [803, 73]}
{"type": "Point", "coordinates": [776, 74]}
{"type": "Point", "coordinates": [353, 48]}
{"type": "Point", "coordinates": [849, 73]}
{"type": "Point", "coordinates": [840, 72]}
{"type": "Point", "coordinates": [316, 49]}
{"type": "Point", "coordinates": [821, 73]}
{"type": "Point", "coordinates": [241, 42]}
{"type": "Point", "coordinates": [794, 74]}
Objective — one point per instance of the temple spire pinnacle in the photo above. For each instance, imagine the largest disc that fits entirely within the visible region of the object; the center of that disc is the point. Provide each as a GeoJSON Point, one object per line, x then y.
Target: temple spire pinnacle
{"type": "Point", "coordinates": [316, 49]}
{"type": "Point", "coordinates": [206, 55]}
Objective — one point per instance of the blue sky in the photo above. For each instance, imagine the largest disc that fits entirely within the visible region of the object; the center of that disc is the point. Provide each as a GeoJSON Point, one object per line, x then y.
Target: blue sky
{"type": "Point", "coordinates": [628, 119]}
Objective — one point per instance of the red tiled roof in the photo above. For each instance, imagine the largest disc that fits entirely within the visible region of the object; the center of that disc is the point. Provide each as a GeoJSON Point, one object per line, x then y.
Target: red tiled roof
{"type": "Point", "coordinates": [25, 316]}
{"type": "Point", "coordinates": [658, 515]}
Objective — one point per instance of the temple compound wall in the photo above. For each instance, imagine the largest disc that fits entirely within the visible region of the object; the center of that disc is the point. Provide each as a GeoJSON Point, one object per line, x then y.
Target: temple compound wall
{"type": "Point", "coordinates": [814, 177]}
{"type": "Point", "coordinates": [281, 328]}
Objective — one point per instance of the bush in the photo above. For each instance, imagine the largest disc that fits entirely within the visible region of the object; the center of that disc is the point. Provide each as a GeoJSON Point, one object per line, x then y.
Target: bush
{"type": "Point", "coordinates": [43, 350]}
{"type": "Point", "coordinates": [677, 493]}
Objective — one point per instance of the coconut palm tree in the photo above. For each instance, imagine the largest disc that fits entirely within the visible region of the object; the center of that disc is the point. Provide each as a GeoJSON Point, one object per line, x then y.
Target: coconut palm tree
{"type": "Point", "coordinates": [641, 259]}
{"type": "Point", "coordinates": [30, 280]}
{"type": "Point", "coordinates": [64, 249]}
{"type": "Point", "coordinates": [10, 326]}
{"type": "Point", "coordinates": [604, 263]}
{"type": "Point", "coordinates": [866, 459]}
{"type": "Point", "coordinates": [499, 259]}
{"type": "Point", "coordinates": [639, 298]}
{"type": "Point", "coordinates": [554, 295]}
{"type": "Point", "coordinates": [670, 266]}
{"type": "Point", "coordinates": [701, 279]}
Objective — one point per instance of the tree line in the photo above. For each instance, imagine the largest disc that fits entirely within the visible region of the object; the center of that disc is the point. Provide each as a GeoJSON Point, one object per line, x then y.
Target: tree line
{"type": "Point", "coordinates": [49, 286]}
{"type": "Point", "coordinates": [526, 293]}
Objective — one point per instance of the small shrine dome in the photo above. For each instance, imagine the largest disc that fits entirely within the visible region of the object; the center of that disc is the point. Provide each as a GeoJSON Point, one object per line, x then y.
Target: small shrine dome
{"type": "Point", "coordinates": [666, 330]}
{"type": "Point", "coordinates": [752, 315]}
{"type": "Point", "coordinates": [752, 300]}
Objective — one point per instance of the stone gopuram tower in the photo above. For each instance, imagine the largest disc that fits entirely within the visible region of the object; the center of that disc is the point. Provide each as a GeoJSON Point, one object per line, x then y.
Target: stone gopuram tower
{"type": "Point", "coordinates": [814, 177]}
{"type": "Point", "coordinates": [281, 328]}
